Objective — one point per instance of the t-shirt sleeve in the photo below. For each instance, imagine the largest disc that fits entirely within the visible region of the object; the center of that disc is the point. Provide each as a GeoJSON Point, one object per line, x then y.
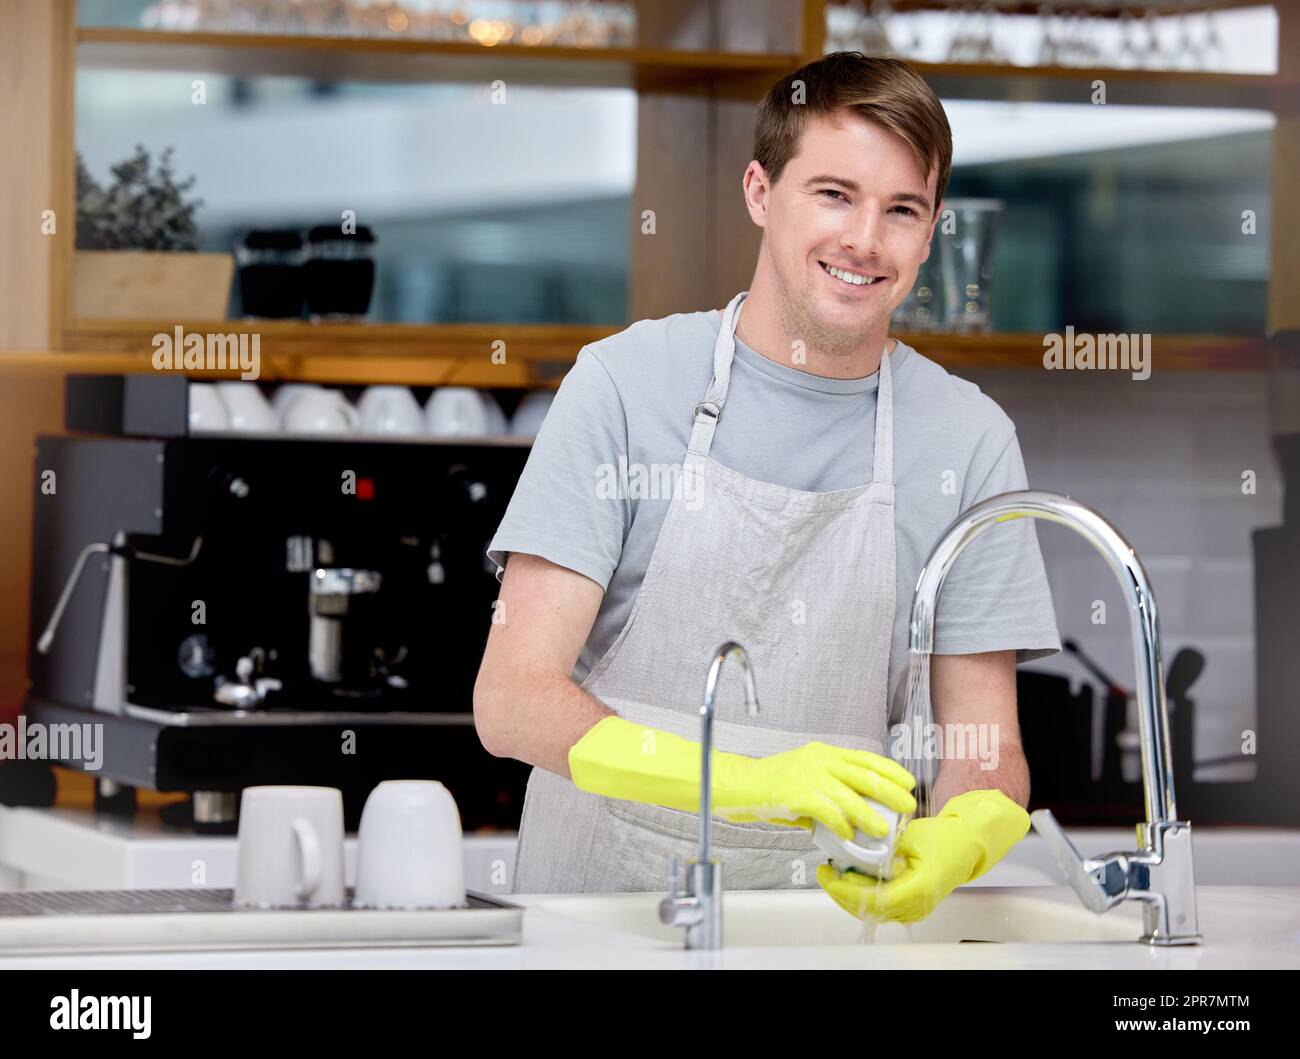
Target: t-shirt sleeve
{"type": "Point", "coordinates": [558, 510]}
{"type": "Point", "coordinates": [996, 596]}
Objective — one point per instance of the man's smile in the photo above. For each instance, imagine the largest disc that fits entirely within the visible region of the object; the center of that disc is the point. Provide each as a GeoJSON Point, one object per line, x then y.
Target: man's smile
{"type": "Point", "coordinates": [845, 278]}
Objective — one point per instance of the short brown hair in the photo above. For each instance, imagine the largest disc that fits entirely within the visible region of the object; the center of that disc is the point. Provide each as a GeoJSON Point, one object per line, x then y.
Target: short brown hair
{"type": "Point", "coordinates": [887, 92]}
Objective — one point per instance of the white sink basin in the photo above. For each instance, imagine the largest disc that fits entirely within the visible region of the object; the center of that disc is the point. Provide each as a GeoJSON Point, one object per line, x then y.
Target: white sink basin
{"type": "Point", "coordinates": [809, 917]}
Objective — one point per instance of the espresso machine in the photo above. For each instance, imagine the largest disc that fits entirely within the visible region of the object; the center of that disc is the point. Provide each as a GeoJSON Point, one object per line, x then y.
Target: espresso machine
{"type": "Point", "coordinates": [239, 609]}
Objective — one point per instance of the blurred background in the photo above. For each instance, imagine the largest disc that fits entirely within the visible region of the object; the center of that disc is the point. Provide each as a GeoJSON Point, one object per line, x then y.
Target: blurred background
{"type": "Point", "coordinates": [541, 174]}
{"type": "Point", "coordinates": [1140, 196]}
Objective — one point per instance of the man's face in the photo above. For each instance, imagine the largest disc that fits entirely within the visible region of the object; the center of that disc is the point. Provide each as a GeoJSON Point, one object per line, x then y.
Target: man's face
{"type": "Point", "coordinates": [853, 198]}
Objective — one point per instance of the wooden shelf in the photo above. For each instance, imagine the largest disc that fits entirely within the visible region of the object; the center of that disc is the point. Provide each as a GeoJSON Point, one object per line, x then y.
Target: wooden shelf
{"type": "Point", "coordinates": [424, 355]}
{"type": "Point", "coordinates": [415, 354]}
{"type": "Point", "coordinates": [1073, 84]}
{"type": "Point", "coordinates": [334, 369]}
{"type": "Point", "coordinates": [524, 342]}
{"type": "Point", "coordinates": [1168, 352]}
{"type": "Point", "coordinates": [645, 69]}
{"type": "Point", "coordinates": [383, 59]}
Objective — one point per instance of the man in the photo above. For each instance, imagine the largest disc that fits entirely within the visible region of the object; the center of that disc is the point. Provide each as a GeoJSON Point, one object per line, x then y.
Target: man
{"type": "Point", "coordinates": [767, 474]}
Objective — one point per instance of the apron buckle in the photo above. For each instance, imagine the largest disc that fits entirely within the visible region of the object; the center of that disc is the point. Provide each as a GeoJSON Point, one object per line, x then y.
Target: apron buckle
{"type": "Point", "coordinates": [708, 408]}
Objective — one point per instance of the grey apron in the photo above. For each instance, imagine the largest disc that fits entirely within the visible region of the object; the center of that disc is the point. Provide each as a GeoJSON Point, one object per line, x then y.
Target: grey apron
{"type": "Point", "coordinates": [805, 583]}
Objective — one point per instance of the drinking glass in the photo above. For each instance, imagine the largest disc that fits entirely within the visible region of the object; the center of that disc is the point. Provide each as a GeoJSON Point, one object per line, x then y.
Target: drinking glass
{"type": "Point", "coordinates": [963, 48]}
{"type": "Point", "coordinates": [873, 32]}
{"type": "Point", "coordinates": [966, 263]}
{"type": "Point", "coordinates": [1051, 46]}
{"type": "Point", "coordinates": [922, 309]}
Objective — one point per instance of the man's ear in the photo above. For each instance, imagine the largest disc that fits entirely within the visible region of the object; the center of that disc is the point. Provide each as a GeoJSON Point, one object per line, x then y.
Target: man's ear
{"type": "Point", "coordinates": [756, 188]}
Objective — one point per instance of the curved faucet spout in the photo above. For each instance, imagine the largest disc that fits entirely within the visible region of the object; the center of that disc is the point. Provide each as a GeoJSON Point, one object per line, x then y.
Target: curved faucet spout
{"type": "Point", "coordinates": [1153, 717]}
{"type": "Point", "coordinates": [1160, 874]}
{"type": "Point", "coordinates": [729, 650]}
{"type": "Point", "coordinates": [700, 909]}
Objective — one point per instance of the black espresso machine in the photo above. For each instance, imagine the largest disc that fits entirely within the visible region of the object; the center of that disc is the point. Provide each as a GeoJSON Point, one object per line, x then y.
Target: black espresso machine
{"type": "Point", "coordinates": [239, 609]}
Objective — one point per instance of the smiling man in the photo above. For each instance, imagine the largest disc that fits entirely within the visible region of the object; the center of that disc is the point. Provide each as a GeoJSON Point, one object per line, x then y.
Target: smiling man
{"type": "Point", "coordinates": [815, 461]}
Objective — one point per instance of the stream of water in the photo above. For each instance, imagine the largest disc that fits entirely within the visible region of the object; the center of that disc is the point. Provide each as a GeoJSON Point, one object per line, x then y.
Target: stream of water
{"type": "Point", "coordinates": [910, 733]}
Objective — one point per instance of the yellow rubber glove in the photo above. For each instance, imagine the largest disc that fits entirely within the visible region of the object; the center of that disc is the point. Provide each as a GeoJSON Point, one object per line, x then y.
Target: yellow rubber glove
{"type": "Point", "coordinates": [816, 781]}
{"type": "Point", "coordinates": [940, 853]}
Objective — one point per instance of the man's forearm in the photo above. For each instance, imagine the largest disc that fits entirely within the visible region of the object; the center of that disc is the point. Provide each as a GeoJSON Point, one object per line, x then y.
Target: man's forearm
{"type": "Point", "coordinates": [536, 717]}
{"type": "Point", "coordinates": [974, 698]}
{"type": "Point", "coordinates": [957, 776]}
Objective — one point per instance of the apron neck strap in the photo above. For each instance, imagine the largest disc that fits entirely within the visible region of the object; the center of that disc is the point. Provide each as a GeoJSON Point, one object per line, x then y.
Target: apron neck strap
{"type": "Point", "coordinates": [882, 459]}
{"type": "Point", "coordinates": [709, 410]}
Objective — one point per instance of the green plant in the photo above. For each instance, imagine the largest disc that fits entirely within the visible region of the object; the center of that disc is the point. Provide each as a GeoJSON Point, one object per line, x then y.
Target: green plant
{"type": "Point", "coordinates": [140, 209]}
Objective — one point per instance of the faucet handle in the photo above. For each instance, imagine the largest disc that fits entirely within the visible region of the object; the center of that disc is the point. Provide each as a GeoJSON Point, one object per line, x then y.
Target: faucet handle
{"type": "Point", "coordinates": [676, 910]}
{"type": "Point", "coordinates": [674, 870]}
{"type": "Point", "coordinates": [1100, 884]}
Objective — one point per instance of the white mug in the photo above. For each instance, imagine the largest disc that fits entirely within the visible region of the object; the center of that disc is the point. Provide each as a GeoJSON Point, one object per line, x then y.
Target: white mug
{"type": "Point", "coordinates": [207, 411]}
{"type": "Point", "coordinates": [455, 411]}
{"type": "Point", "coordinates": [531, 412]}
{"type": "Point", "coordinates": [409, 848]}
{"type": "Point", "coordinates": [864, 853]}
{"type": "Point", "coordinates": [249, 410]}
{"type": "Point", "coordinates": [290, 848]}
{"type": "Point", "coordinates": [390, 410]}
{"type": "Point", "coordinates": [321, 412]}
{"type": "Point", "coordinates": [289, 392]}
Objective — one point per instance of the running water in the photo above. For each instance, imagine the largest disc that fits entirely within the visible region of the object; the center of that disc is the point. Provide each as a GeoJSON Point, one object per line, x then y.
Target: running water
{"type": "Point", "coordinates": [911, 734]}
{"type": "Point", "coordinates": [918, 717]}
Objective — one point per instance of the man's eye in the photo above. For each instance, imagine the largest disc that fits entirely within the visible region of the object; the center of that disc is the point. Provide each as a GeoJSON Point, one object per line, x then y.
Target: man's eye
{"type": "Point", "coordinates": [831, 191]}
{"type": "Point", "coordinates": [906, 209]}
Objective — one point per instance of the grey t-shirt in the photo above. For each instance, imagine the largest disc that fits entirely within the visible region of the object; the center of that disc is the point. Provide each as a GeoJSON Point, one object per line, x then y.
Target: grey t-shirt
{"type": "Point", "coordinates": [628, 403]}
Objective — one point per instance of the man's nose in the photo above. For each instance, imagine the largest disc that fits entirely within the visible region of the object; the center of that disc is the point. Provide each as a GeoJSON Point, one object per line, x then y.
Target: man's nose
{"type": "Point", "coordinates": [863, 234]}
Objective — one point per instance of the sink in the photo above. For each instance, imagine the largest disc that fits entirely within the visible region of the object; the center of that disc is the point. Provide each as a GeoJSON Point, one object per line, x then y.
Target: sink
{"type": "Point", "coordinates": [760, 918]}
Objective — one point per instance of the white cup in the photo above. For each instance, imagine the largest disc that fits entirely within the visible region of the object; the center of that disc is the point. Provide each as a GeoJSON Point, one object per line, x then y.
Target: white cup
{"type": "Point", "coordinates": [321, 412]}
{"type": "Point", "coordinates": [390, 410]}
{"type": "Point", "coordinates": [290, 849]}
{"type": "Point", "coordinates": [287, 393]}
{"type": "Point", "coordinates": [249, 410]}
{"type": "Point", "coordinates": [864, 853]}
{"type": "Point", "coordinates": [207, 411]}
{"type": "Point", "coordinates": [455, 411]}
{"type": "Point", "coordinates": [532, 410]}
{"type": "Point", "coordinates": [409, 848]}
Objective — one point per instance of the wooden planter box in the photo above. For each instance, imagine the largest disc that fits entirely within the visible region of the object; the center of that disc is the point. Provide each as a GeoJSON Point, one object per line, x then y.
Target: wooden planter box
{"type": "Point", "coordinates": [142, 284]}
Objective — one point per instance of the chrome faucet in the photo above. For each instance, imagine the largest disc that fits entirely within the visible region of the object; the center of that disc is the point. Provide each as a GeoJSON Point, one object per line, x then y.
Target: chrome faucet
{"type": "Point", "coordinates": [1159, 874]}
{"type": "Point", "coordinates": [700, 909]}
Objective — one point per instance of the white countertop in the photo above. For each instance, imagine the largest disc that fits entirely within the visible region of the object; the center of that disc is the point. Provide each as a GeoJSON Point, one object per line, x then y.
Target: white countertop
{"type": "Point", "coordinates": [1243, 927]}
